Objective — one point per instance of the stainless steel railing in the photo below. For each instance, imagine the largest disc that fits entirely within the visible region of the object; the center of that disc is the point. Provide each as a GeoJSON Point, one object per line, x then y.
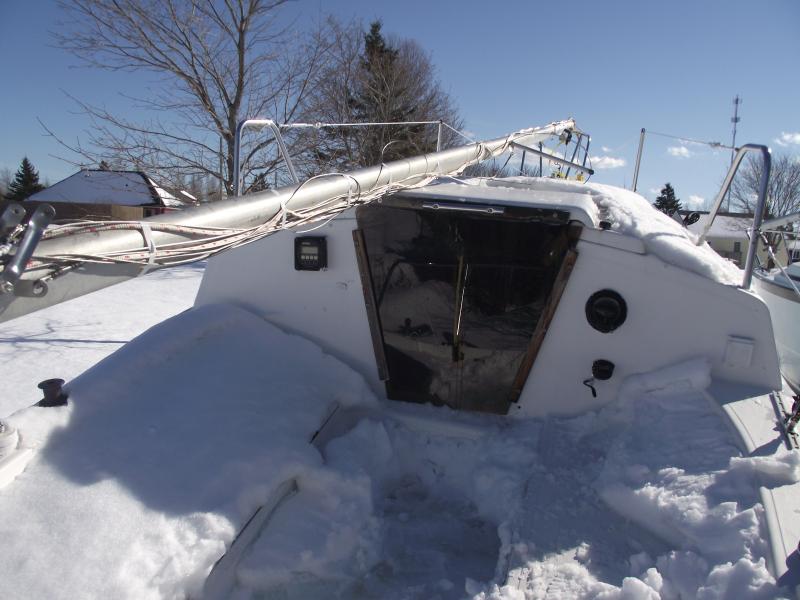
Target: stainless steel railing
{"type": "Point", "coordinates": [276, 129]}
{"type": "Point", "coordinates": [758, 213]}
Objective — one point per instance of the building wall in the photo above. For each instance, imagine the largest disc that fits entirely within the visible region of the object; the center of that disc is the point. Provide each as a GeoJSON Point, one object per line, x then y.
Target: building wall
{"type": "Point", "coordinates": [66, 211]}
{"type": "Point", "coordinates": [727, 248]}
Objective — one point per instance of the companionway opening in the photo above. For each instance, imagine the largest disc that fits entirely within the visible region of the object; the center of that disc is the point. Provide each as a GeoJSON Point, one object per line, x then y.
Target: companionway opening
{"type": "Point", "coordinates": [456, 296]}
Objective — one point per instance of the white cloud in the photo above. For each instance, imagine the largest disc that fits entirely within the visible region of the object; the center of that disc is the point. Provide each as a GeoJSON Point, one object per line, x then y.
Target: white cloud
{"type": "Point", "coordinates": [788, 139]}
{"type": "Point", "coordinates": [695, 202]}
{"type": "Point", "coordinates": [605, 149]}
{"type": "Point", "coordinates": [679, 151]}
{"type": "Point", "coordinates": [607, 162]}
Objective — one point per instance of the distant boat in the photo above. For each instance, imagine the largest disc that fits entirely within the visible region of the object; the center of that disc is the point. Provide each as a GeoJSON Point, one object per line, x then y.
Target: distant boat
{"type": "Point", "coordinates": [780, 289]}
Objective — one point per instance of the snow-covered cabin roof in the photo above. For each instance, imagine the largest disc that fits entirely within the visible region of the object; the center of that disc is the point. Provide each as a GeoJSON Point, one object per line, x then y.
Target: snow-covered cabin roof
{"type": "Point", "coordinates": [726, 226]}
{"type": "Point", "coordinates": [94, 186]}
{"type": "Point", "coordinates": [515, 191]}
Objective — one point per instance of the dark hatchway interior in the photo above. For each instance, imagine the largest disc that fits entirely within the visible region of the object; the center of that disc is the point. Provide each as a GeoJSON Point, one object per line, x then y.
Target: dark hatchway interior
{"type": "Point", "coordinates": [459, 296]}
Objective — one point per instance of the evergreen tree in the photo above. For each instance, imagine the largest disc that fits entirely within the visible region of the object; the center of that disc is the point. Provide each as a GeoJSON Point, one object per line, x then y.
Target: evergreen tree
{"type": "Point", "coordinates": [383, 96]}
{"type": "Point", "coordinates": [666, 201]}
{"type": "Point", "coordinates": [372, 78]}
{"type": "Point", "coordinates": [26, 182]}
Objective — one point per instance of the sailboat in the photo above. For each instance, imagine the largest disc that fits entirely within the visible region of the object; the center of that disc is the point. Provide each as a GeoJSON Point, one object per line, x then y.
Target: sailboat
{"type": "Point", "coordinates": [404, 382]}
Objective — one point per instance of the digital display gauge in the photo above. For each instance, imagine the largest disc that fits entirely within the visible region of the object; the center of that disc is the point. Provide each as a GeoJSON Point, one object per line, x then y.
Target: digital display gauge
{"type": "Point", "coordinates": [310, 253]}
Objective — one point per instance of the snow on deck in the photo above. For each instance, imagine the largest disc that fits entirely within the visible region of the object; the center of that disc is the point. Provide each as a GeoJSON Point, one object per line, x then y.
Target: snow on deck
{"type": "Point", "coordinates": [168, 445]}
{"type": "Point", "coordinates": [628, 212]}
{"type": "Point", "coordinates": [165, 450]}
{"type": "Point", "coordinates": [65, 340]}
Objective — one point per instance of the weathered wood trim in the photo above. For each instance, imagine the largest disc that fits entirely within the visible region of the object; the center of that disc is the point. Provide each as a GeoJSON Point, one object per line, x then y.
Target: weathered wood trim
{"type": "Point", "coordinates": [537, 339]}
{"type": "Point", "coordinates": [370, 303]}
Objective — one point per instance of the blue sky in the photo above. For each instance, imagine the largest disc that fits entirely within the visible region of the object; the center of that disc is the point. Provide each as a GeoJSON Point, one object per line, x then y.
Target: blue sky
{"type": "Point", "coordinates": [671, 67]}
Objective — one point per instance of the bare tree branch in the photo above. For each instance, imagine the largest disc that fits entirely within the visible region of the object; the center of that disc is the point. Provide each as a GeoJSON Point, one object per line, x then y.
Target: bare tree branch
{"type": "Point", "coordinates": [217, 62]}
{"type": "Point", "coordinates": [783, 191]}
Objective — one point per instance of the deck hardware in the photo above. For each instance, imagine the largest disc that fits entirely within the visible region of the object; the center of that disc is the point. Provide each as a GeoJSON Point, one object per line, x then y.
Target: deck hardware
{"type": "Point", "coordinates": [691, 219]}
{"type": "Point", "coordinates": [12, 216]}
{"type": "Point", "coordinates": [30, 239]}
{"type": "Point", "coordinates": [602, 370]}
{"type": "Point", "coordinates": [54, 394]}
{"type": "Point", "coordinates": [794, 417]}
{"type": "Point", "coordinates": [606, 310]}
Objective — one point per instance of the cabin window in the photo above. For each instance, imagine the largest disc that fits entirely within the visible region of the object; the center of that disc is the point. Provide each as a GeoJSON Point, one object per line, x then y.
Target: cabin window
{"type": "Point", "coordinates": [457, 298]}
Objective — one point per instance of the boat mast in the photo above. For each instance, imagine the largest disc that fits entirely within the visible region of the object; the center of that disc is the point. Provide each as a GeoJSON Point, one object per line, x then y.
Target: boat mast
{"type": "Point", "coordinates": [41, 285]}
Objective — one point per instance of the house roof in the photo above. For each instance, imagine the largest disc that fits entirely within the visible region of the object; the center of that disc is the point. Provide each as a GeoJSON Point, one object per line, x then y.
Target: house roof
{"type": "Point", "coordinates": [94, 186]}
{"type": "Point", "coordinates": [726, 226]}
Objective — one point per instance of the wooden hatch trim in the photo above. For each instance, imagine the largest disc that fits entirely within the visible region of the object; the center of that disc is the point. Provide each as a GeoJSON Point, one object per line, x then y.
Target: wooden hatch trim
{"type": "Point", "coordinates": [537, 339]}
{"type": "Point", "coordinates": [370, 304]}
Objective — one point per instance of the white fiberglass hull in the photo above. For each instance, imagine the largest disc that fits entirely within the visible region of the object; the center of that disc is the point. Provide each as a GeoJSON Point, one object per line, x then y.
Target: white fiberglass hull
{"type": "Point", "coordinates": [784, 308]}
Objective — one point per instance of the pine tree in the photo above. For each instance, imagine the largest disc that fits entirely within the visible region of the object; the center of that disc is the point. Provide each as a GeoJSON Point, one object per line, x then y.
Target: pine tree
{"type": "Point", "coordinates": [666, 201]}
{"type": "Point", "coordinates": [26, 182]}
{"type": "Point", "coordinates": [383, 96]}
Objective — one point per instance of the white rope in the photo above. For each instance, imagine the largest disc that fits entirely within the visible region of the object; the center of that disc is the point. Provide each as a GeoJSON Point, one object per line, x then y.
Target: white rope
{"type": "Point", "coordinates": [204, 242]}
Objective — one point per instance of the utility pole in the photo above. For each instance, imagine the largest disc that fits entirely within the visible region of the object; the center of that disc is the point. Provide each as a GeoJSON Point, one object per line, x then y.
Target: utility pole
{"type": "Point", "coordinates": [735, 120]}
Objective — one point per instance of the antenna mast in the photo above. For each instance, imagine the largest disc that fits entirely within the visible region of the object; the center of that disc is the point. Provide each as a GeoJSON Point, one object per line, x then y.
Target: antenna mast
{"type": "Point", "coordinates": [735, 120]}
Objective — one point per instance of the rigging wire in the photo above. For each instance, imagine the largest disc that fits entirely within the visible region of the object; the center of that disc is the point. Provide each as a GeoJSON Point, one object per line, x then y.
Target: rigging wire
{"type": "Point", "coordinates": [691, 140]}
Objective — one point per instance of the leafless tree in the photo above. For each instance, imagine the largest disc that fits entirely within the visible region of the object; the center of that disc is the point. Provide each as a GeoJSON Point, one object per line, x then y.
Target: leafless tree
{"type": "Point", "coordinates": [783, 191]}
{"type": "Point", "coordinates": [5, 180]}
{"type": "Point", "coordinates": [216, 62]}
{"type": "Point", "coordinates": [369, 78]}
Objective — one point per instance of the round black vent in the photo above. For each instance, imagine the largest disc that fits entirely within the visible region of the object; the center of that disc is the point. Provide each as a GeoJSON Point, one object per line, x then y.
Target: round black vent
{"type": "Point", "coordinates": [606, 310]}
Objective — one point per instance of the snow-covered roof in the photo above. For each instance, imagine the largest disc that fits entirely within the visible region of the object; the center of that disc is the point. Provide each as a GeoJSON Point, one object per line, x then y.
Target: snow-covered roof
{"type": "Point", "coordinates": [126, 188]}
{"type": "Point", "coordinates": [725, 226]}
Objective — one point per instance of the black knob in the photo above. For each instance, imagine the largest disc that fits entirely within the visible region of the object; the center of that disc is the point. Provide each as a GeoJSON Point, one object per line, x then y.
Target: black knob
{"type": "Point", "coordinates": [602, 369]}
{"type": "Point", "coordinates": [606, 310]}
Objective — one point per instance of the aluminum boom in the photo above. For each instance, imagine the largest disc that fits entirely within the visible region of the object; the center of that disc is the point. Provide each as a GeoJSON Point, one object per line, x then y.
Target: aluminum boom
{"type": "Point", "coordinates": [238, 212]}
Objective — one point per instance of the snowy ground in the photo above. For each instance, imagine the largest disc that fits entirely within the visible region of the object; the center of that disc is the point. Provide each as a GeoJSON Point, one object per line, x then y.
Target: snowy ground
{"type": "Point", "coordinates": [169, 445]}
{"type": "Point", "coordinates": [65, 340]}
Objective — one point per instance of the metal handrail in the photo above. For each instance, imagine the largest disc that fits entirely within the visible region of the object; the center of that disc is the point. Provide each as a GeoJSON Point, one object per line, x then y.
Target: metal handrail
{"type": "Point", "coordinates": [554, 158]}
{"type": "Point", "coordinates": [277, 127]}
{"type": "Point", "coordinates": [276, 131]}
{"type": "Point", "coordinates": [758, 213]}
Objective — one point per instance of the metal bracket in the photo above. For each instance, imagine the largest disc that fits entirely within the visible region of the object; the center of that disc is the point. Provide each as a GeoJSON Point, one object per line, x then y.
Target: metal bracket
{"type": "Point", "coordinates": [12, 216]}
{"type": "Point", "coordinates": [237, 151]}
{"type": "Point", "coordinates": [33, 233]}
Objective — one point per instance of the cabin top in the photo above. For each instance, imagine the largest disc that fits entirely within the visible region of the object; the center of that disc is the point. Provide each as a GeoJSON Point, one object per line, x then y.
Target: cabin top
{"type": "Point", "coordinates": [528, 192]}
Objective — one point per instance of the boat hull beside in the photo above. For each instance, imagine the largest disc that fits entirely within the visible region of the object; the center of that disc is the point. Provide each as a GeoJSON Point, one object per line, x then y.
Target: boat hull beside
{"type": "Point", "coordinates": [784, 308]}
